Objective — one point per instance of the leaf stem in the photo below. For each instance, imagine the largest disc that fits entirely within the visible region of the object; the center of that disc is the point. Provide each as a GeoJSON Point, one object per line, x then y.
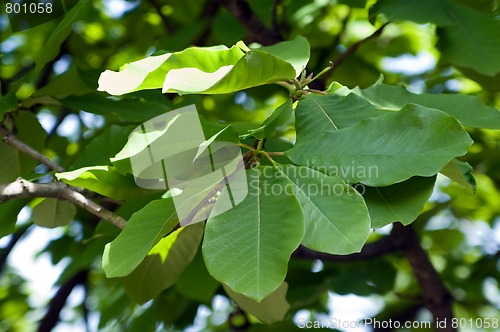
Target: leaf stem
{"type": "Point", "coordinates": [246, 146]}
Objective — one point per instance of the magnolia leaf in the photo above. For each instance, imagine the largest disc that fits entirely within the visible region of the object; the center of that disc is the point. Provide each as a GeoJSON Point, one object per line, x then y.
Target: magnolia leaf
{"type": "Point", "coordinates": [468, 110]}
{"type": "Point", "coordinates": [336, 217]}
{"type": "Point", "coordinates": [261, 233]}
{"type": "Point", "coordinates": [196, 283]}
{"type": "Point", "coordinates": [53, 213]}
{"type": "Point", "coordinates": [401, 202]}
{"type": "Point", "coordinates": [164, 263]}
{"type": "Point", "coordinates": [125, 253]}
{"type": "Point", "coordinates": [316, 113]}
{"type": "Point", "coordinates": [103, 146]}
{"type": "Point", "coordinates": [52, 46]}
{"type": "Point", "coordinates": [387, 149]}
{"type": "Point", "coordinates": [253, 69]}
{"type": "Point", "coordinates": [209, 70]}
{"type": "Point", "coordinates": [8, 215]}
{"type": "Point", "coordinates": [460, 172]}
{"type": "Point", "coordinates": [270, 310]}
{"type": "Point", "coordinates": [296, 52]}
{"type": "Point", "coordinates": [8, 103]}
{"type": "Point", "coordinates": [278, 118]}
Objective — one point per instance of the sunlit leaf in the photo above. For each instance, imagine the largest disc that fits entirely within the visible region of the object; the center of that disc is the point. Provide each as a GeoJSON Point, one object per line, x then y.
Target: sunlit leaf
{"type": "Point", "coordinates": [164, 263]}
{"type": "Point", "coordinates": [126, 252]}
{"type": "Point", "coordinates": [209, 70]}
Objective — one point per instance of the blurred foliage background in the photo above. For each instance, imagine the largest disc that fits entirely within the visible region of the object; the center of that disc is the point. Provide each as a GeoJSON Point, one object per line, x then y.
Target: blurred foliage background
{"type": "Point", "coordinates": [49, 81]}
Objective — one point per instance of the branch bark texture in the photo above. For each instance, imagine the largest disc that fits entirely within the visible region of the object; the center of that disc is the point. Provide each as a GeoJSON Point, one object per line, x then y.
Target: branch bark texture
{"type": "Point", "coordinates": [22, 188]}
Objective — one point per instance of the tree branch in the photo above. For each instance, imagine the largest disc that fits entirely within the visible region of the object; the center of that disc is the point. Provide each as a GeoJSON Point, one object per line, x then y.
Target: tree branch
{"type": "Point", "coordinates": [376, 249]}
{"type": "Point", "coordinates": [255, 28]}
{"type": "Point", "coordinates": [10, 139]}
{"type": "Point", "coordinates": [15, 237]}
{"type": "Point", "coordinates": [207, 15]}
{"type": "Point", "coordinates": [435, 296]}
{"type": "Point", "coordinates": [351, 50]}
{"type": "Point", "coordinates": [22, 188]}
{"type": "Point", "coordinates": [57, 303]}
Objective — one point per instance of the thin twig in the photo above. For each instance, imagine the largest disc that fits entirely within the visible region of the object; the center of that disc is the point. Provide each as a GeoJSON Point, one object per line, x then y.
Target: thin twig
{"type": "Point", "coordinates": [351, 50]}
{"type": "Point", "coordinates": [275, 23]}
{"type": "Point", "coordinates": [22, 188]}
{"type": "Point", "coordinates": [166, 23]}
{"type": "Point", "coordinates": [10, 139]}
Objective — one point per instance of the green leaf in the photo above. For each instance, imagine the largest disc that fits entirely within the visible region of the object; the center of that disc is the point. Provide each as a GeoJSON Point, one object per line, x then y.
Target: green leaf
{"type": "Point", "coordinates": [296, 52]}
{"type": "Point", "coordinates": [253, 69]}
{"type": "Point", "coordinates": [68, 83]}
{"type": "Point", "coordinates": [8, 103]}
{"type": "Point", "coordinates": [196, 283]}
{"type": "Point", "coordinates": [316, 114]}
{"type": "Point", "coordinates": [103, 146]}
{"type": "Point", "coordinates": [151, 72]}
{"type": "Point", "coordinates": [125, 253]}
{"type": "Point", "coordinates": [8, 215]}
{"type": "Point", "coordinates": [53, 213]}
{"type": "Point", "coordinates": [387, 149]}
{"type": "Point", "coordinates": [206, 70]}
{"type": "Point", "coordinates": [278, 118]}
{"type": "Point", "coordinates": [260, 233]}
{"type": "Point", "coordinates": [104, 180]}
{"type": "Point", "coordinates": [270, 310]}
{"type": "Point", "coordinates": [401, 202]}
{"type": "Point", "coordinates": [126, 109]}
{"type": "Point", "coordinates": [164, 263]}
{"type": "Point", "coordinates": [15, 163]}
{"type": "Point", "coordinates": [468, 110]}
{"type": "Point", "coordinates": [52, 46]}
{"type": "Point", "coordinates": [469, 38]}
{"type": "Point", "coordinates": [474, 42]}
{"type": "Point", "coordinates": [488, 82]}
{"type": "Point", "coordinates": [460, 172]}
{"type": "Point", "coordinates": [417, 11]}
{"type": "Point", "coordinates": [336, 217]}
